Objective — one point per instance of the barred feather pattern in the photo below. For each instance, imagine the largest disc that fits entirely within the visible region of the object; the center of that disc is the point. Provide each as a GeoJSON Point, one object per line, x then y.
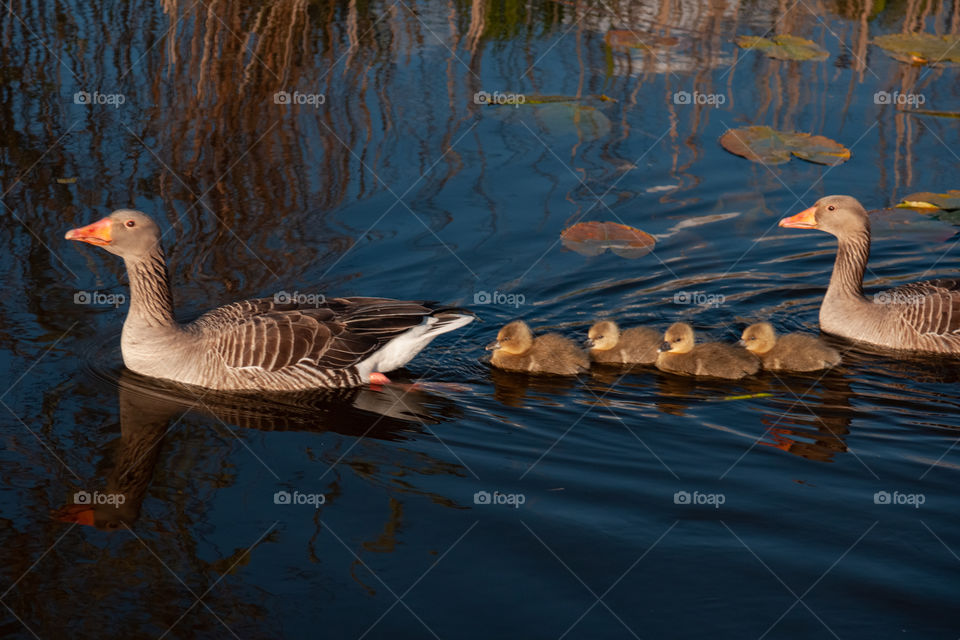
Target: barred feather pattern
{"type": "Point", "coordinates": [921, 316]}
{"type": "Point", "coordinates": [266, 343]}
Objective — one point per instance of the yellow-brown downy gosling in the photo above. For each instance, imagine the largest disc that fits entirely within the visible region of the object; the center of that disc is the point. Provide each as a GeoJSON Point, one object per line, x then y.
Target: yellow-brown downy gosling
{"type": "Point", "coordinates": [680, 354]}
{"type": "Point", "coordinates": [516, 349]}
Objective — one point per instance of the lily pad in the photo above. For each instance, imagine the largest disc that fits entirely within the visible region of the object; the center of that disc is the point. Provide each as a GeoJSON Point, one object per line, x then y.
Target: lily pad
{"type": "Point", "coordinates": [593, 238]}
{"type": "Point", "coordinates": [899, 225]}
{"type": "Point", "coordinates": [632, 40]}
{"type": "Point", "coordinates": [784, 47]}
{"type": "Point", "coordinates": [949, 201]}
{"type": "Point", "coordinates": [930, 112]}
{"type": "Point", "coordinates": [557, 119]}
{"type": "Point", "coordinates": [536, 98]}
{"type": "Point", "coordinates": [769, 146]}
{"type": "Point", "coordinates": [920, 48]}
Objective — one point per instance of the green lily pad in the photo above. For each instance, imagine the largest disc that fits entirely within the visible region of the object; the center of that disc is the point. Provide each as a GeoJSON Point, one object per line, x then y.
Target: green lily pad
{"type": "Point", "coordinates": [899, 225]}
{"type": "Point", "coordinates": [536, 98]}
{"type": "Point", "coordinates": [920, 48]}
{"type": "Point", "coordinates": [930, 112]}
{"type": "Point", "coordinates": [555, 118]}
{"type": "Point", "coordinates": [949, 201]}
{"type": "Point", "coordinates": [784, 47]}
{"type": "Point", "coordinates": [769, 146]}
{"type": "Point", "coordinates": [593, 238]}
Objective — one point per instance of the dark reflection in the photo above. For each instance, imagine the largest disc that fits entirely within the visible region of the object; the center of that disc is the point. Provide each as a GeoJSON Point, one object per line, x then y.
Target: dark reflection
{"type": "Point", "coordinates": [150, 408]}
{"type": "Point", "coordinates": [675, 394]}
{"type": "Point", "coordinates": [517, 389]}
{"type": "Point", "coordinates": [811, 417]}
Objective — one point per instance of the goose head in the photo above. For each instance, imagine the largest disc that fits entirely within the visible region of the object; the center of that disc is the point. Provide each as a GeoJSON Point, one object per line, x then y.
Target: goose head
{"type": "Point", "coordinates": [603, 335]}
{"type": "Point", "coordinates": [678, 338]}
{"type": "Point", "coordinates": [514, 338]}
{"type": "Point", "coordinates": [837, 215]}
{"type": "Point", "coordinates": [759, 338]}
{"type": "Point", "coordinates": [127, 233]}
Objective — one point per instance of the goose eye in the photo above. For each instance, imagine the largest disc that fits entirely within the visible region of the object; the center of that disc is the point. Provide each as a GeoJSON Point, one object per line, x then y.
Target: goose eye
{"type": "Point", "coordinates": [831, 208]}
{"type": "Point", "coordinates": [131, 223]}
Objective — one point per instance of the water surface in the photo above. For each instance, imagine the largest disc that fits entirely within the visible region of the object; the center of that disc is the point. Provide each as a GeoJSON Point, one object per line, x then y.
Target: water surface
{"type": "Point", "coordinates": [633, 503]}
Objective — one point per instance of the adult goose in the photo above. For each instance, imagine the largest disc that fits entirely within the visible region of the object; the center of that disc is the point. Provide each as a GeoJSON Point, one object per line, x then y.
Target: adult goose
{"type": "Point", "coordinates": [270, 344]}
{"type": "Point", "coordinates": [921, 317]}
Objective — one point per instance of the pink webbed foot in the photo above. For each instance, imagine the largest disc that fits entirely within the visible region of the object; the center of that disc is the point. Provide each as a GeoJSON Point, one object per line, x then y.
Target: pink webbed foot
{"type": "Point", "coordinates": [379, 378]}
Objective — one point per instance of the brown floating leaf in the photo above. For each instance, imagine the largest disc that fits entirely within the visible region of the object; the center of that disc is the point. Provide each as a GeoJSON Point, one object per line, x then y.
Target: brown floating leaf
{"type": "Point", "coordinates": [920, 48]}
{"type": "Point", "coordinates": [769, 146]}
{"type": "Point", "coordinates": [784, 47]}
{"type": "Point", "coordinates": [949, 201]}
{"type": "Point", "coordinates": [593, 238]}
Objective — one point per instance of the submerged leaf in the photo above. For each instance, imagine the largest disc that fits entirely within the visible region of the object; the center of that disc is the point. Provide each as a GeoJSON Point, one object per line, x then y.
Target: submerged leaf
{"type": "Point", "coordinates": [784, 47]}
{"type": "Point", "coordinates": [769, 146]}
{"type": "Point", "coordinates": [920, 48]}
{"type": "Point", "coordinates": [634, 40]}
{"type": "Point", "coordinates": [593, 238]}
{"type": "Point", "coordinates": [949, 201]}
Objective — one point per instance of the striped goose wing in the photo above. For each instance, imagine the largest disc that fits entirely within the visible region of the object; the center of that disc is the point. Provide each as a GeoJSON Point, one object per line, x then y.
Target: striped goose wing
{"type": "Point", "coordinates": [336, 334]}
{"type": "Point", "coordinates": [931, 307]}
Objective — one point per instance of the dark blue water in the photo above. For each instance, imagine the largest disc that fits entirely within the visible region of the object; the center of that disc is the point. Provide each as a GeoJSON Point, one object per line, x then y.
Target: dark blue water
{"type": "Point", "coordinates": [621, 504]}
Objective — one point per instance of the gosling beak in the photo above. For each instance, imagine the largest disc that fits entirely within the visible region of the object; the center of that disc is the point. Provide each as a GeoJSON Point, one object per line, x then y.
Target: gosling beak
{"type": "Point", "coordinates": [806, 219]}
{"type": "Point", "coordinates": [741, 343]}
{"type": "Point", "coordinates": [98, 233]}
{"type": "Point", "coordinates": [588, 343]}
{"type": "Point", "coordinates": [493, 346]}
{"type": "Point", "coordinates": [664, 347]}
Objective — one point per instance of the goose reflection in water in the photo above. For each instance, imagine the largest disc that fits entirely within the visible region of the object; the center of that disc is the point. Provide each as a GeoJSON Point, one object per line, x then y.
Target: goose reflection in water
{"type": "Point", "coordinates": [150, 408]}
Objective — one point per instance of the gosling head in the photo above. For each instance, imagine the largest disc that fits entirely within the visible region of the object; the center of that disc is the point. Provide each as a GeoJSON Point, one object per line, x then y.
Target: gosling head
{"type": "Point", "coordinates": [838, 215]}
{"type": "Point", "coordinates": [514, 338]}
{"type": "Point", "coordinates": [603, 336]}
{"type": "Point", "coordinates": [678, 338]}
{"type": "Point", "coordinates": [759, 338]}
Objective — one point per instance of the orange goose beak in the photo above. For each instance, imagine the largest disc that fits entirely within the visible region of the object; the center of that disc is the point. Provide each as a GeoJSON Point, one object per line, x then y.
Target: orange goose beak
{"type": "Point", "coordinates": [97, 233]}
{"type": "Point", "coordinates": [806, 219]}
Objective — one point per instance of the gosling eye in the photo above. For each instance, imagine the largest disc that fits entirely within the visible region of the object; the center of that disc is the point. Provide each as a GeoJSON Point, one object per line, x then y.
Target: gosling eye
{"type": "Point", "coordinates": [831, 208]}
{"type": "Point", "coordinates": [131, 223]}
{"type": "Point", "coordinates": [753, 337]}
